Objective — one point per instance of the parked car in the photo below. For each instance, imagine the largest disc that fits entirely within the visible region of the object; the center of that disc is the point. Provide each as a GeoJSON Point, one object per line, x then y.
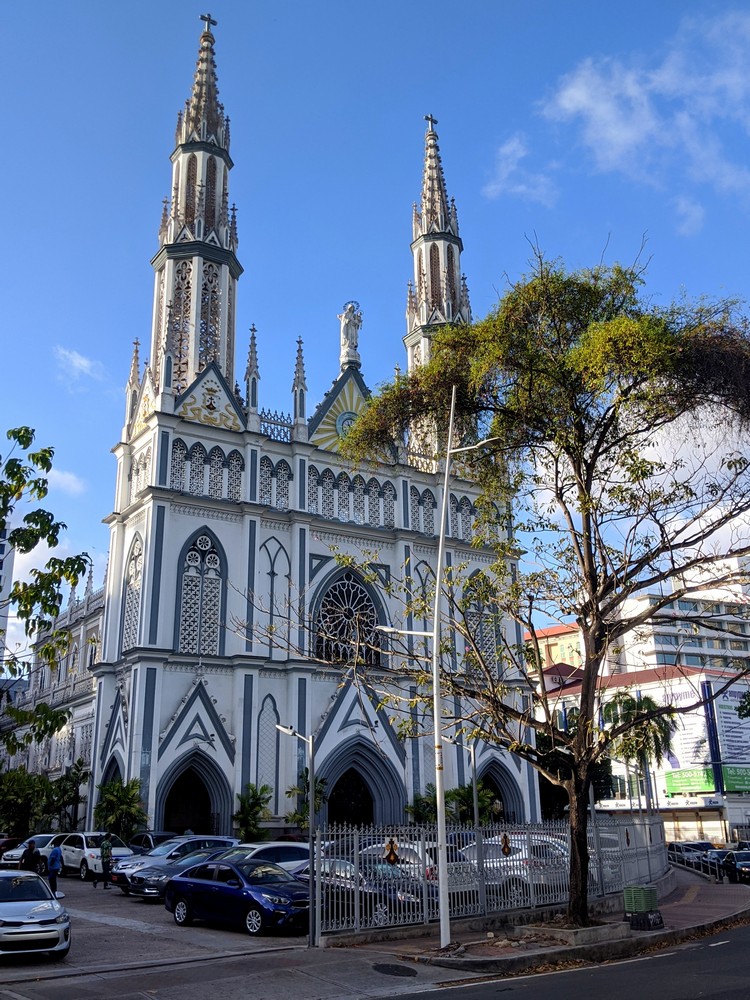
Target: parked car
{"type": "Point", "coordinates": [284, 853]}
{"type": "Point", "coordinates": [147, 840]}
{"type": "Point", "coordinates": [151, 881]}
{"type": "Point", "coordinates": [513, 862]}
{"type": "Point", "coordinates": [31, 919]}
{"type": "Point", "coordinates": [10, 858]}
{"type": "Point", "coordinates": [8, 843]}
{"type": "Point", "coordinates": [384, 893]}
{"type": "Point", "coordinates": [81, 853]}
{"type": "Point", "coordinates": [737, 866]}
{"type": "Point", "coordinates": [168, 850]}
{"type": "Point", "coordinates": [422, 861]}
{"type": "Point", "coordinates": [253, 894]}
{"type": "Point", "coordinates": [712, 862]}
{"type": "Point", "coordinates": [687, 852]}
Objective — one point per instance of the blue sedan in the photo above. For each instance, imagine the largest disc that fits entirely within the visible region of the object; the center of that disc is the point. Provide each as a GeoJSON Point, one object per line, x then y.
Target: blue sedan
{"type": "Point", "coordinates": [257, 895]}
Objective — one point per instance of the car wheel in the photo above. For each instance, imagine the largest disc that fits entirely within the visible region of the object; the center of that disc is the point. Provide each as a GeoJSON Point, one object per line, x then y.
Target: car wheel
{"type": "Point", "coordinates": [516, 894]}
{"type": "Point", "coordinates": [58, 956]}
{"type": "Point", "coordinates": [380, 915]}
{"type": "Point", "coordinates": [182, 912]}
{"type": "Point", "coordinates": [125, 890]}
{"type": "Point", "coordinates": [84, 871]}
{"type": "Point", "coordinates": [42, 867]}
{"type": "Point", "coordinates": [254, 921]}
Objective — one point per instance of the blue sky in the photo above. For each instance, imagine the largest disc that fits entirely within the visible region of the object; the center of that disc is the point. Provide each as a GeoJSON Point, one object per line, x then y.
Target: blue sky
{"type": "Point", "coordinates": [584, 127]}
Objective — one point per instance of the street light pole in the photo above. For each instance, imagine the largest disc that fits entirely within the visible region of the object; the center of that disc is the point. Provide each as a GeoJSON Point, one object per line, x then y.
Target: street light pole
{"type": "Point", "coordinates": [308, 741]}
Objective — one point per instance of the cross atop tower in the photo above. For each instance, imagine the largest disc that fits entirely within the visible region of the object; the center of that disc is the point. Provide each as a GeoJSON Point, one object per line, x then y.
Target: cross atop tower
{"type": "Point", "coordinates": [430, 122]}
{"type": "Point", "coordinates": [209, 22]}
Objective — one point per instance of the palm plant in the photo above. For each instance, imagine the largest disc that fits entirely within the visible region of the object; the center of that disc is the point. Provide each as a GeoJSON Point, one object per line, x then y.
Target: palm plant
{"type": "Point", "coordinates": [120, 809]}
{"type": "Point", "coordinates": [301, 791]}
{"type": "Point", "coordinates": [253, 807]}
{"type": "Point", "coordinates": [647, 738]}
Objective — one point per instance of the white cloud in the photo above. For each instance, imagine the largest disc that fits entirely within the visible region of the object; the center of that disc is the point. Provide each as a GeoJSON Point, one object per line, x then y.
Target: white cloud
{"type": "Point", "coordinates": [66, 482]}
{"type": "Point", "coordinates": [510, 177]}
{"type": "Point", "coordinates": [690, 214]}
{"type": "Point", "coordinates": [675, 114]}
{"type": "Point", "coordinates": [75, 366]}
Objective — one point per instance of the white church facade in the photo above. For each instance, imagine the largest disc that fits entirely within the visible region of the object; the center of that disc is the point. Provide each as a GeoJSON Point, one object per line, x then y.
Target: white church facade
{"type": "Point", "coordinates": [226, 609]}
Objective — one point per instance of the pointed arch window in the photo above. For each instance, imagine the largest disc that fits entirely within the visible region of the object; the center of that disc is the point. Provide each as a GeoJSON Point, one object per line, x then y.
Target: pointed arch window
{"type": "Point", "coordinates": [236, 467]}
{"type": "Point", "coordinates": [465, 511]}
{"type": "Point", "coordinates": [267, 748]}
{"type": "Point", "coordinates": [420, 278]}
{"type": "Point", "coordinates": [389, 505]}
{"type": "Point", "coordinates": [358, 495]}
{"type": "Point", "coordinates": [181, 324]}
{"type": "Point", "coordinates": [373, 503]}
{"type": "Point", "coordinates": [197, 469]}
{"type": "Point", "coordinates": [414, 508]}
{"type": "Point", "coordinates": [345, 624]}
{"type": "Point", "coordinates": [453, 505]}
{"type": "Point", "coordinates": [312, 489]}
{"type": "Point", "coordinates": [132, 601]}
{"type": "Point", "coordinates": [428, 513]}
{"type": "Point", "coordinates": [342, 510]}
{"type": "Point", "coordinates": [191, 185]}
{"type": "Point", "coordinates": [216, 473]}
{"type": "Point", "coordinates": [450, 273]}
{"type": "Point", "coordinates": [283, 477]}
{"type": "Point", "coordinates": [435, 296]}
{"type": "Point", "coordinates": [177, 465]}
{"type": "Point", "coordinates": [209, 216]}
{"type": "Point", "coordinates": [264, 486]}
{"type": "Point", "coordinates": [327, 508]}
{"type": "Point", "coordinates": [208, 347]}
{"type": "Point", "coordinates": [201, 584]}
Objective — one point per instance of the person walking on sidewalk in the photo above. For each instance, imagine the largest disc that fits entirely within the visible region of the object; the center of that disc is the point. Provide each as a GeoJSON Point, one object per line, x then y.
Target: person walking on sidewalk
{"type": "Point", "coordinates": [54, 865]}
{"type": "Point", "coordinates": [31, 859]}
{"type": "Point", "coordinates": [105, 850]}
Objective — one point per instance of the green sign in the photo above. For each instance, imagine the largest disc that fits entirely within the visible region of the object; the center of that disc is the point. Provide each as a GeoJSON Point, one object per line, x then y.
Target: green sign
{"type": "Point", "coordinates": [736, 779]}
{"type": "Point", "coordinates": [692, 780]}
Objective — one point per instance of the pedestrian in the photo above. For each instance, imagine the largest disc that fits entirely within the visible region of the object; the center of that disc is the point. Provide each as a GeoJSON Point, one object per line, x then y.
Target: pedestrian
{"type": "Point", "coordinates": [31, 859]}
{"type": "Point", "coordinates": [105, 851]}
{"type": "Point", "coordinates": [54, 867]}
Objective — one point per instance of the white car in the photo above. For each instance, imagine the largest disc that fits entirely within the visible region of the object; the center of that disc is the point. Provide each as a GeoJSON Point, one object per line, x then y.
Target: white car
{"type": "Point", "coordinates": [11, 858]}
{"type": "Point", "coordinates": [81, 853]}
{"type": "Point", "coordinates": [284, 853]}
{"type": "Point", "coordinates": [31, 919]}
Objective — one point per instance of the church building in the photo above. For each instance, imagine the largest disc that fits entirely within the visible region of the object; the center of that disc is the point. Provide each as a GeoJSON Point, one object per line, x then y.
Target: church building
{"type": "Point", "coordinates": [227, 608]}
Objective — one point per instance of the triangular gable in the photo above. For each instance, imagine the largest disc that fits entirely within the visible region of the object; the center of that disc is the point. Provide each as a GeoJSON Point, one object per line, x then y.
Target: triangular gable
{"type": "Point", "coordinates": [144, 406]}
{"type": "Point", "coordinates": [357, 709]}
{"type": "Point", "coordinates": [212, 239]}
{"type": "Point", "coordinates": [209, 400]}
{"type": "Point", "coordinates": [186, 235]}
{"type": "Point", "coordinates": [198, 719]}
{"type": "Point", "coordinates": [116, 730]}
{"type": "Point", "coordinates": [344, 401]}
{"type": "Point", "coordinates": [316, 564]}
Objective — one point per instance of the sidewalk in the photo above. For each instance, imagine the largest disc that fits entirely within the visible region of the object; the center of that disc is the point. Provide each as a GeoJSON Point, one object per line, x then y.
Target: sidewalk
{"type": "Point", "coordinates": [694, 906]}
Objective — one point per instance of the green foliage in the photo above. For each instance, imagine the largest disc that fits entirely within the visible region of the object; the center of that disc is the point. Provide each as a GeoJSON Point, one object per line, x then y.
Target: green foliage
{"type": "Point", "coordinates": [459, 804]}
{"type": "Point", "coordinates": [423, 809]}
{"type": "Point", "coordinates": [119, 808]}
{"type": "Point", "coordinates": [24, 801]}
{"type": "Point", "coordinates": [253, 807]}
{"type": "Point", "coordinates": [36, 604]}
{"type": "Point", "coordinates": [646, 732]}
{"type": "Point", "coordinates": [300, 816]}
{"type": "Point", "coordinates": [603, 477]}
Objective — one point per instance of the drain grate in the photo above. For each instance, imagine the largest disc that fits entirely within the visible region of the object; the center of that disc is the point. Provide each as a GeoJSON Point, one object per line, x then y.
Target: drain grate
{"type": "Point", "coordinates": [391, 969]}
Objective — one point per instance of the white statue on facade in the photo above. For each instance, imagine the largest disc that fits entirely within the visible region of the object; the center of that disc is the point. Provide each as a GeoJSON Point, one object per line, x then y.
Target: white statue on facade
{"type": "Point", "coordinates": [351, 321]}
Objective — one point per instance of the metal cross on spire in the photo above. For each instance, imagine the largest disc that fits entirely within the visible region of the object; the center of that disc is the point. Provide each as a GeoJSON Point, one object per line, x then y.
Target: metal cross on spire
{"type": "Point", "coordinates": [209, 22]}
{"type": "Point", "coordinates": [430, 122]}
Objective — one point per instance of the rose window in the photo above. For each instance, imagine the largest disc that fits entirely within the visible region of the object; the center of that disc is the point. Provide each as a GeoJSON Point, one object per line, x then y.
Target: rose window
{"type": "Point", "coordinates": [345, 625]}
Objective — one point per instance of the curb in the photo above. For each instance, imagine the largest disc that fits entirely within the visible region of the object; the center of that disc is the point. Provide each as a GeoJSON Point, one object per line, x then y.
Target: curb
{"type": "Point", "coordinates": [624, 948]}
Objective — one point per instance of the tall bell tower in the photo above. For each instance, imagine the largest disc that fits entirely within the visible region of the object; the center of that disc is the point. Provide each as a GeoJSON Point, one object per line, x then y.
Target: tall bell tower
{"type": "Point", "coordinates": [437, 294]}
{"type": "Point", "coordinates": [196, 267]}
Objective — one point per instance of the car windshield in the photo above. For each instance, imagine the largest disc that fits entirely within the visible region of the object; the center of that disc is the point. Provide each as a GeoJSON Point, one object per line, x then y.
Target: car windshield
{"type": "Point", "coordinates": [263, 873]}
{"type": "Point", "coordinates": [95, 840]}
{"type": "Point", "coordinates": [23, 889]}
{"type": "Point", "coordinates": [164, 848]}
{"type": "Point", "coordinates": [40, 840]}
{"type": "Point", "coordinates": [742, 856]}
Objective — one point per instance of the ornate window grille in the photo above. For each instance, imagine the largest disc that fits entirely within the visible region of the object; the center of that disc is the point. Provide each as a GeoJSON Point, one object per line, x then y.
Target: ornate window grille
{"type": "Point", "coordinates": [345, 624]}
{"type": "Point", "coordinates": [190, 189]}
{"type": "Point", "coordinates": [414, 508]}
{"type": "Point", "coordinates": [234, 476]}
{"type": "Point", "coordinates": [181, 307]}
{"type": "Point", "coordinates": [132, 603]}
{"type": "Point", "coordinates": [483, 630]}
{"type": "Point", "coordinates": [200, 599]}
{"type": "Point", "coordinates": [358, 495]}
{"type": "Point", "coordinates": [208, 348]}
{"type": "Point", "coordinates": [451, 278]}
{"type": "Point", "coordinates": [312, 489]}
{"type": "Point", "coordinates": [389, 505]}
{"type": "Point", "coordinates": [197, 469]}
{"type": "Point", "coordinates": [453, 508]}
{"type": "Point", "coordinates": [216, 473]}
{"type": "Point", "coordinates": [327, 508]}
{"type": "Point", "coordinates": [264, 486]}
{"type": "Point", "coordinates": [465, 511]}
{"type": "Point", "coordinates": [373, 503]}
{"type": "Point", "coordinates": [283, 476]}
{"type": "Point", "coordinates": [434, 276]}
{"type": "Point", "coordinates": [177, 465]}
{"type": "Point", "coordinates": [210, 210]}
{"type": "Point", "coordinates": [342, 509]}
{"type": "Point", "coordinates": [428, 513]}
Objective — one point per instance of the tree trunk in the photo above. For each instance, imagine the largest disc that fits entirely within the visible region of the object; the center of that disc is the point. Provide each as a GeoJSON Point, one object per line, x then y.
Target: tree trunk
{"type": "Point", "coordinates": [578, 792]}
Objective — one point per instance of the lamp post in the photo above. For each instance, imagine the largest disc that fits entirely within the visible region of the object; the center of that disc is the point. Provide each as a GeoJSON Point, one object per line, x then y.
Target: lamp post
{"type": "Point", "coordinates": [471, 749]}
{"type": "Point", "coordinates": [308, 741]}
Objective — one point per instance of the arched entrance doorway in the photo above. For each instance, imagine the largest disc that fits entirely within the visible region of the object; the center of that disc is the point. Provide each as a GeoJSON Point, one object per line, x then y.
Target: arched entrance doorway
{"type": "Point", "coordinates": [194, 794]}
{"type": "Point", "coordinates": [350, 800]}
{"type": "Point", "coordinates": [188, 805]}
{"type": "Point", "coordinates": [508, 804]}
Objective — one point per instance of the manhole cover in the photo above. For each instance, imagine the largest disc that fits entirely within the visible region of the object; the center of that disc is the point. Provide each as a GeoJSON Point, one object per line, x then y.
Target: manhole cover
{"type": "Point", "coordinates": [390, 969]}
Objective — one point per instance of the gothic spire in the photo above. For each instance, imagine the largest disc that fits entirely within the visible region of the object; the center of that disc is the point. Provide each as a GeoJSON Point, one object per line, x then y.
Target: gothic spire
{"type": "Point", "coordinates": [434, 196]}
{"type": "Point", "coordinates": [252, 372]}
{"type": "Point", "coordinates": [135, 366]}
{"type": "Point", "coordinates": [299, 386]}
{"type": "Point", "coordinates": [204, 113]}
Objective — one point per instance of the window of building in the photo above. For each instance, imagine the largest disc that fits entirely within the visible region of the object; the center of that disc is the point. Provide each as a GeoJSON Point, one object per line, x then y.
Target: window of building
{"type": "Point", "coordinates": [345, 623]}
{"type": "Point", "coordinates": [200, 599]}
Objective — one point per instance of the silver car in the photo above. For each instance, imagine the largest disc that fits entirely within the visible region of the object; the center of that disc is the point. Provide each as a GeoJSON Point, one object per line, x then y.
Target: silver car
{"type": "Point", "coordinates": [31, 919]}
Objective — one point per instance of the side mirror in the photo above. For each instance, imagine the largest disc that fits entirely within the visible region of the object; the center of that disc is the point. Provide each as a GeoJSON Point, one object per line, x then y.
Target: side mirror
{"type": "Point", "coordinates": [234, 882]}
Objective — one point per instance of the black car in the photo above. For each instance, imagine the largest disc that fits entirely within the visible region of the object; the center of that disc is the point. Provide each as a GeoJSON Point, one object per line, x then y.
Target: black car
{"type": "Point", "coordinates": [255, 895]}
{"type": "Point", "coordinates": [737, 866]}
{"type": "Point", "coordinates": [147, 840]}
{"type": "Point", "coordinates": [712, 862]}
{"type": "Point", "coordinates": [151, 882]}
